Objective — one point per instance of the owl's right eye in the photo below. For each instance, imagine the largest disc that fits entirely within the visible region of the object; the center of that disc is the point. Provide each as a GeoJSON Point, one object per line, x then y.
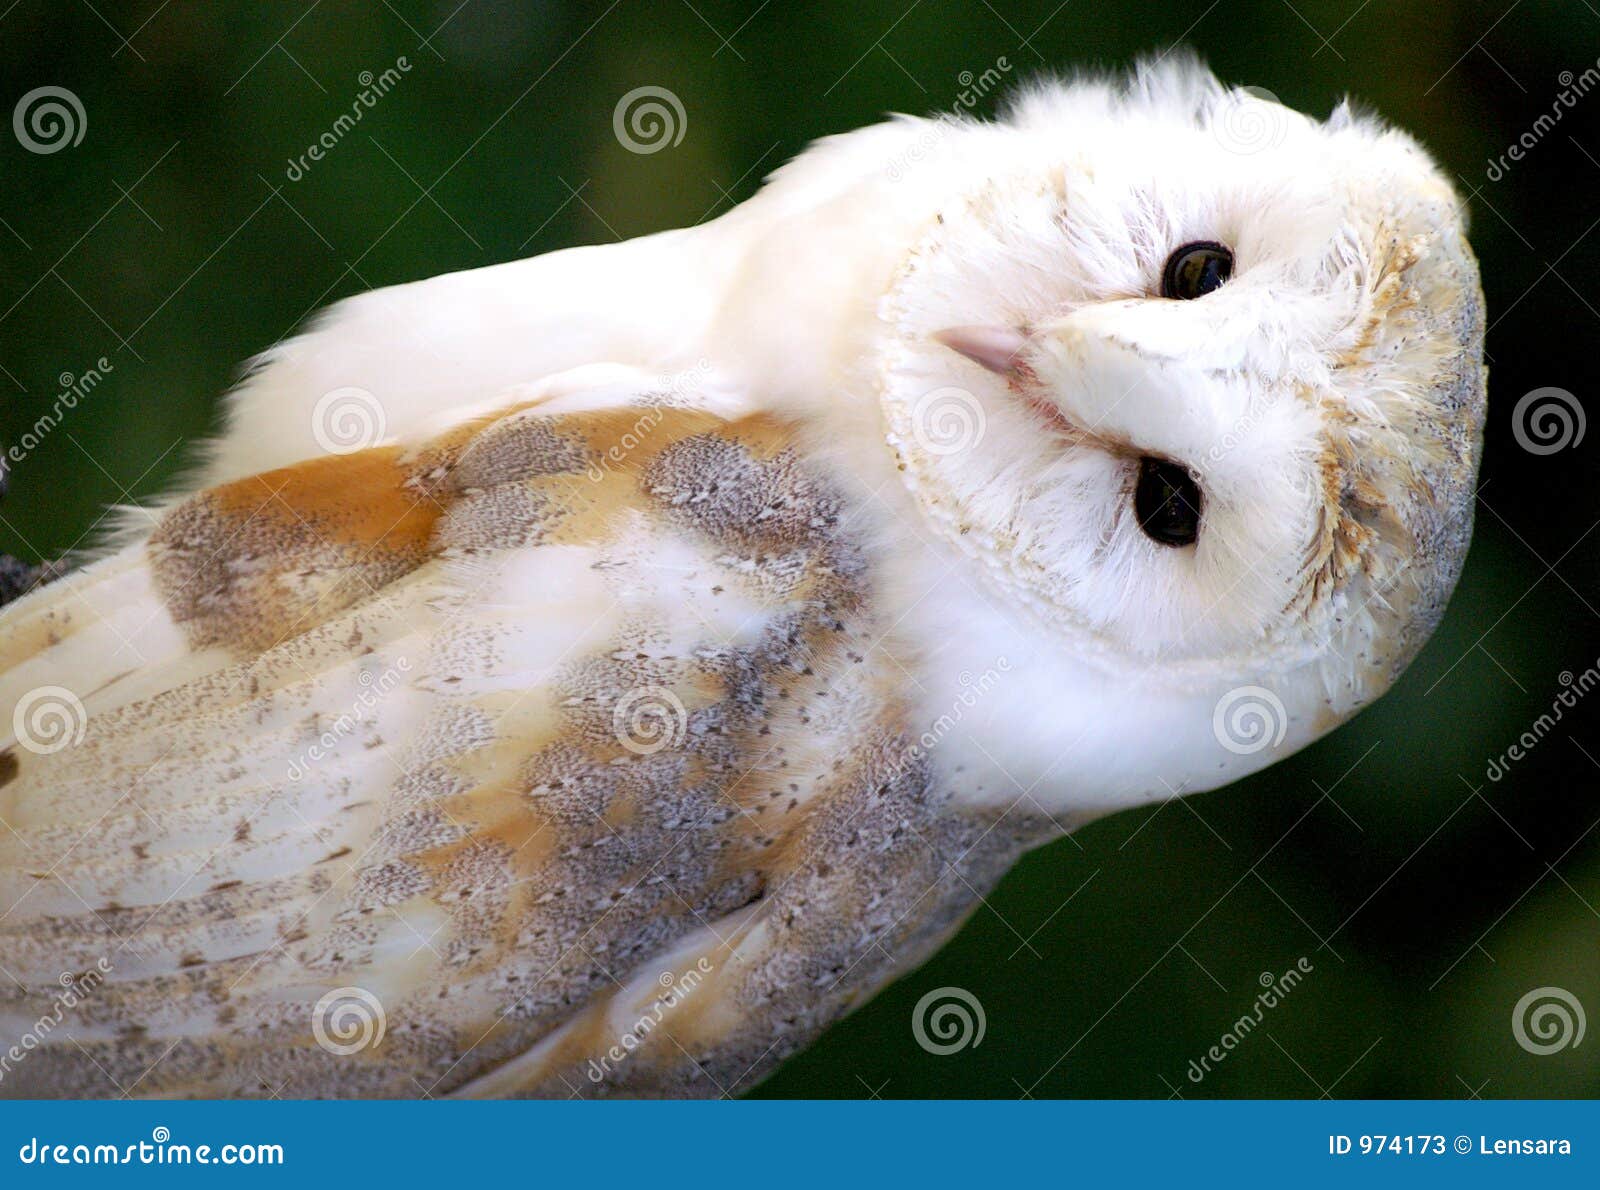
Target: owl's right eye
{"type": "Point", "coordinates": [1194, 270]}
{"type": "Point", "coordinates": [1166, 500]}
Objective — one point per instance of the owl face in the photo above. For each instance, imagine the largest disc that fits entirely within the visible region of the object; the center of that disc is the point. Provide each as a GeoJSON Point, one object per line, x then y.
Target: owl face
{"type": "Point", "coordinates": [1197, 380]}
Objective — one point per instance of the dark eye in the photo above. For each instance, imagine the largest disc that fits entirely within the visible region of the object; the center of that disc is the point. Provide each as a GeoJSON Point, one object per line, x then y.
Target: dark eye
{"type": "Point", "coordinates": [1167, 502]}
{"type": "Point", "coordinates": [1194, 270]}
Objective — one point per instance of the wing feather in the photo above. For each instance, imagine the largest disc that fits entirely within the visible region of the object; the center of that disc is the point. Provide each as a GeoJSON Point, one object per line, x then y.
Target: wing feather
{"type": "Point", "coordinates": [477, 740]}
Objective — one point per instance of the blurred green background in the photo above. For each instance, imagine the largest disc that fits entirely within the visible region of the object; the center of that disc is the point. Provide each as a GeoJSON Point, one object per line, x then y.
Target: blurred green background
{"type": "Point", "coordinates": [1426, 899]}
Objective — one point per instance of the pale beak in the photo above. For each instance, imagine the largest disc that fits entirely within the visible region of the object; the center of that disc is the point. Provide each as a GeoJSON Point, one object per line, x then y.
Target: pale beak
{"type": "Point", "coordinates": [996, 348]}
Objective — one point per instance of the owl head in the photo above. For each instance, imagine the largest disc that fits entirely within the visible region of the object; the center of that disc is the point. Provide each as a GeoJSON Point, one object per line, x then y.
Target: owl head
{"type": "Point", "coordinates": [1197, 380]}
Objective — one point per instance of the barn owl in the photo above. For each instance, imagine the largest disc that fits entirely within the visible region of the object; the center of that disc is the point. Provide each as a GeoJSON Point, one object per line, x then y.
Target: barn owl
{"type": "Point", "coordinates": [598, 673]}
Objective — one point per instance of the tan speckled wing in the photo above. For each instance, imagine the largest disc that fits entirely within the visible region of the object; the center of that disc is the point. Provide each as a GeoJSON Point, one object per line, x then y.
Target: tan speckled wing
{"type": "Point", "coordinates": [563, 755]}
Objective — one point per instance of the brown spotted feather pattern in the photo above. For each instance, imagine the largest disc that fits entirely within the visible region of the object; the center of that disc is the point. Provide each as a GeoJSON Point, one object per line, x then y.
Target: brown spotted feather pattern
{"type": "Point", "coordinates": [509, 733]}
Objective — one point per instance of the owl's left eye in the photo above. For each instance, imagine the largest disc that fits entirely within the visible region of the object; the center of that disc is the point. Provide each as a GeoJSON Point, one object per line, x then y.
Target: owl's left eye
{"type": "Point", "coordinates": [1194, 270]}
{"type": "Point", "coordinates": [1166, 501]}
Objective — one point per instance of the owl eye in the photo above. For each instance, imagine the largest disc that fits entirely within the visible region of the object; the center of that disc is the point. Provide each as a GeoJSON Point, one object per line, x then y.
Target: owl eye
{"type": "Point", "coordinates": [1167, 502]}
{"type": "Point", "coordinates": [1194, 270]}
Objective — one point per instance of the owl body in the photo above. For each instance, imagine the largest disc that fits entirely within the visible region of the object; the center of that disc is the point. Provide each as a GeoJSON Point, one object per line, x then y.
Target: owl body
{"type": "Point", "coordinates": [709, 620]}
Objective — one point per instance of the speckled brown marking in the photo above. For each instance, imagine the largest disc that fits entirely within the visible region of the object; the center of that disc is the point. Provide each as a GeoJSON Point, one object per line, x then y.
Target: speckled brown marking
{"type": "Point", "coordinates": [254, 561]}
{"type": "Point", "coordinates": [1389, 298]}
{"type": "Point", "coordinates": [1383, 480]}
{"type": "Point", "coordinates": [481, 850]}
